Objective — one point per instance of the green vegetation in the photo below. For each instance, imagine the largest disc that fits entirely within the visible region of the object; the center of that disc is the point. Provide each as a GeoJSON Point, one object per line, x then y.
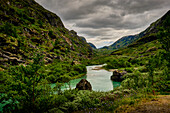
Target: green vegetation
{"type": "Point", "coordinates": [26, 27]}
{"type": "Point", "coordinates": [37, 50]}
{"type": "Point", "coordinates": [27, 88]}
{"type": "Point", "coordinates": [64, 71]}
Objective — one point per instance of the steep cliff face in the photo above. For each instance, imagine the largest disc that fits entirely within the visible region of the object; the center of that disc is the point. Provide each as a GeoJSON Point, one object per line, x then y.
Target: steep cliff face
{"type": "Point", "coordinates": [26, 28]}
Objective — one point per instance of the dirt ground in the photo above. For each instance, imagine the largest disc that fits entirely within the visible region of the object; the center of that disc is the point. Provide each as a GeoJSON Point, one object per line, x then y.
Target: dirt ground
{"type": "Point", "coordinates": [158, 105]}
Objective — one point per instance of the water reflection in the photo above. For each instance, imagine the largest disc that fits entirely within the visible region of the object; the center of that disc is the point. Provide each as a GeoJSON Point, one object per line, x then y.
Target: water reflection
{"type": "Point", "coordinates": [99, 79]}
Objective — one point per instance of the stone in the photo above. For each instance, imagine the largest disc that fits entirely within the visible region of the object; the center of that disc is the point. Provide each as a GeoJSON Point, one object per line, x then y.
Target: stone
{"type": "Point", "coordinates": [118, 76]}
{"type": "Point", "coordinates": [84, 85]}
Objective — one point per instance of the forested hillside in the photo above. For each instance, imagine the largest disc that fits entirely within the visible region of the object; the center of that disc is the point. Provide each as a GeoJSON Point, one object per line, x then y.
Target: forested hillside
{"type": "Point", "coordinates": [27, 28]}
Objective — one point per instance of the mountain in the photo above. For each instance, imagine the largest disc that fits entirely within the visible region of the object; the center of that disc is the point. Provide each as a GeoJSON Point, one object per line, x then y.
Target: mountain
{"type": "Point", "coordinates": [148, 42]}
{"type": "Point", "coordinates": [124, 41]}
{"type": "Point", "coordinates": [27, 28]}
{"type": "Point", "coordinates": [127, 40]}
{"type": "Point", "coordinates": [92, 45]}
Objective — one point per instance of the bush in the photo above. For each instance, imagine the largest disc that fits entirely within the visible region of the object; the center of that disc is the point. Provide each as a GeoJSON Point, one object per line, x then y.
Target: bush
{"type": "Point", "coordinates": [63, 71]}
{"type": "Point", "coordinates": [135, 80]}
{"type": "Point", "coordinates": [143, 69]}
{"type": "Point", "coordinates": [23, 86]}
{"type": "Point", "coordinates": [51, 34]}
{"type": "Point", "coordinates": [9, 29]}
{"type": "Point", "coordinates": [80, 68]}
{"type": "Point", "coordinates": [117, 63]}
{"type": "Point", "coordinates": [129, 70]}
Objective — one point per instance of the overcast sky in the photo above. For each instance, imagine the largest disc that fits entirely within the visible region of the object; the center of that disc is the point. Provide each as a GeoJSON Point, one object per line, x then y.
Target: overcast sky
{"type": "Point", "coordinates": [102, 22]}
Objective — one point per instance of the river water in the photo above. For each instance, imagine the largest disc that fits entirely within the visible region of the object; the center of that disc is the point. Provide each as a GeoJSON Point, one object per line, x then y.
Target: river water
{"type": "Point", "coordinates": [98, 78]}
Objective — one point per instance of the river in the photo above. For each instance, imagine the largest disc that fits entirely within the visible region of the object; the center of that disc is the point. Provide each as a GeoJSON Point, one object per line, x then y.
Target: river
{"type": "Point", "coordinates": [98, 78]}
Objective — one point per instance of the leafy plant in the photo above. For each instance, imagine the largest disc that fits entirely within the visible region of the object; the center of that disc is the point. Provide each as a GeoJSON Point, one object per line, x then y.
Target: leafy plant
{"type": "Point", "coordinates": [23, 86]}
{"type": "Point", "coordinates": [9, 29]}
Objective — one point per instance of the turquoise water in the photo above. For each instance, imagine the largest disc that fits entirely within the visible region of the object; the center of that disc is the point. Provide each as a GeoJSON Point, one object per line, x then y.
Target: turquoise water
{"type": "Point", "coordinates": [99, 79]}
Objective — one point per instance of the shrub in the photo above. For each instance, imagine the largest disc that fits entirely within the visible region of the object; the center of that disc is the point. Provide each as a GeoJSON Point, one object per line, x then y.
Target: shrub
{"type": "Point", "coordinates": [22, 86]}
{"type": "Point", "coordinates": [80, 68]}
{"type": "Point", "coordinates": [117, 63]}
{"type": "Point", "coordinates": [51, 34]}
{"type": "Point", "coordinates": [9, 29]}
{"type": "Point", "coordinates": [129, 70]}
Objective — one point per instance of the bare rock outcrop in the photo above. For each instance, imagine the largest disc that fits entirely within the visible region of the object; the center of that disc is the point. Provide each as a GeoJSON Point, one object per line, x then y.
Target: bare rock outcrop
{"type": "Point", "coordinates": [84, 85]}
{"type": "Point", "coordinates": [118, 76]}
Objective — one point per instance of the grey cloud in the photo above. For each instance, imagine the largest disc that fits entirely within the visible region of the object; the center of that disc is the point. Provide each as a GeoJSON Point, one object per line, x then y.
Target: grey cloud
{"type": "Point", "coordinates": [140, 6]}
{"type": "Point", "coordinates": [109, 22]}
{"type": "Point", "coordinates": [106, 38]}
{"type": "Point", "coordinates": [97, 32]}
{"type": "Point", "coordinates": [80, 9]}
{"type": "Point", "coordinates": [104, 17]}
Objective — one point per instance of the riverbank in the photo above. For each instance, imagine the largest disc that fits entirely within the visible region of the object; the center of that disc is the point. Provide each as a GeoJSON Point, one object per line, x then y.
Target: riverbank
{"type": "Point", "coordinates": [96, 78]}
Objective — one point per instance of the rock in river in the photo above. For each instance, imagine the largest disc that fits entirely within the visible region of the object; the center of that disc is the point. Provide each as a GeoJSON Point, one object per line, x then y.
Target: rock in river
{"type": "Point", "coordinates": [118, 76]}
{"type": "Point", "coordinates": [84, 85]}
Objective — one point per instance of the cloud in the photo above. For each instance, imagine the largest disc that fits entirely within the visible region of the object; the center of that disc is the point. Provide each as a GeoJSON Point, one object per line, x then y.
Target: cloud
{"type": "Point", "coordinates": [105, 21]}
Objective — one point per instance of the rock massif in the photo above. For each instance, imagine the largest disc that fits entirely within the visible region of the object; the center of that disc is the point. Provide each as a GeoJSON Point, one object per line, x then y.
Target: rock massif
{"type": "Point", "coordinates": [84, 85]}
{"type": "Point", "coordinates": [27, 28]}
{"type": "Point", "coordinates": [118, 76]}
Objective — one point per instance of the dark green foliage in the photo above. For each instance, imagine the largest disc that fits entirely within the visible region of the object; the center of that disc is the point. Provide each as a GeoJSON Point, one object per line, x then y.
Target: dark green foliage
{"type": "Point", "coordinates": [164, 39]}
{"type": "Point", "coordinates": [9, 29]}
{"type": "Point", "coordinates": [135, 80]}
{"type": "Point", "coordinates": [117, 63]}
{"type": "Point", "coordinates": [51, 34]}
{"type": "Point", "coordinates": [129, 70]}
{"type": "Point", "coordinates": [63, 71]}
{"type": "Point", "coordinates": [151, 66]}
{"type": "Point", "coordinates": [23, 86]}
{"type": "Point", "coordinates": [40, 23]}
{"type": "Point", "coordinates": [80, 68]}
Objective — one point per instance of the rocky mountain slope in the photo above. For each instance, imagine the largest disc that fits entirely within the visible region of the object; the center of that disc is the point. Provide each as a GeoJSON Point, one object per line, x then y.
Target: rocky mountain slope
{"type": "Point", "coordinates": [148, 43]}
{"type": "Point", "coordinates": [92, 45]}
{"type": "Point", "coordinates": [127, 40]}
{"type": "Point", "coordinates": [27, 28]}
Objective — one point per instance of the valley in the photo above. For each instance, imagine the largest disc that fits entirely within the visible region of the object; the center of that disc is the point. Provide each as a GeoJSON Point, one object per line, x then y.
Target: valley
{"type": "Point", "coordinates": [41, 63]}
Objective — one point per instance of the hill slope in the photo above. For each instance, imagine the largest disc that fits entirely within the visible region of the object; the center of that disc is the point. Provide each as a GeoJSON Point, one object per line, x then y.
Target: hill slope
{"type": "Point", "coordinates": [148, 43]}
{"type": "Point", "coordinates": [92, 45]}
{"type": "Point", "coordinates": [127, 40]}
{"type": "Point", "coordinates": [26, 28]}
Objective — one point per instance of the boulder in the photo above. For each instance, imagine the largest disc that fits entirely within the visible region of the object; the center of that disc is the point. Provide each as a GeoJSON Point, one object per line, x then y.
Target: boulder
{"type": "Point", "coordinates": [118, 76]}
{"type": "Point", "coordinates": [84, 85]}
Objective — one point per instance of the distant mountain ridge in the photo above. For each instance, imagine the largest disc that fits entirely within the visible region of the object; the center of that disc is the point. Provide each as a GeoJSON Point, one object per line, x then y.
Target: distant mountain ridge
{"type": "Point", "coordinates": [149, 43]}
{"type": "Point", "coordinates": [26, 28]}
{"type": "Point", "coordinates": [92, 45]}
{"type": "Point", "coordinates": [127, 40]}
